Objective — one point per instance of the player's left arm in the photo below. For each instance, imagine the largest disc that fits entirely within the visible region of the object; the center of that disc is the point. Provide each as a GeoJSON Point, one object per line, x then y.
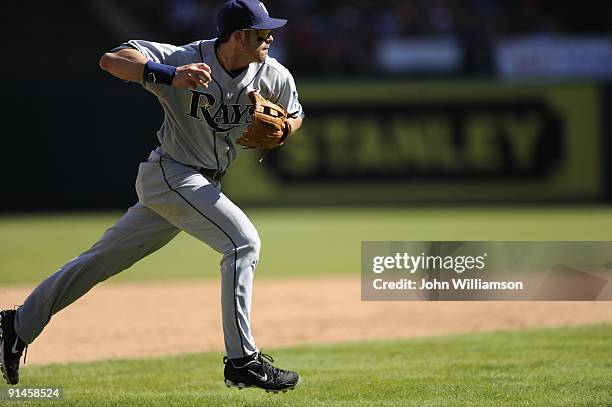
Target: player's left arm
{"type": "Point", "coordinates": [294, 124]}
{"type": "Point", "coordinates": [288, 98]}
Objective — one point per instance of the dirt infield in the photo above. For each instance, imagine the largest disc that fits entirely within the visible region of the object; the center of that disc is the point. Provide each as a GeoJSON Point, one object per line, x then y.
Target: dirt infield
{"type": "Point", "coordinates": [153, 319]}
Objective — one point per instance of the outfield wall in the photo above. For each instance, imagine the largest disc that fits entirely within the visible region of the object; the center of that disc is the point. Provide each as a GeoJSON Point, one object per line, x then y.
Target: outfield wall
{"type": "Point", "coordinates": [437, 142]}
{"type": "Point", "coordinates": [76, 144]}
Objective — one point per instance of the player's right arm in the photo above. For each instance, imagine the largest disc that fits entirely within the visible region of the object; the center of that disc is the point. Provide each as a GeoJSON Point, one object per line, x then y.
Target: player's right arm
{"type": "Point", "coordinates": [129, 64]}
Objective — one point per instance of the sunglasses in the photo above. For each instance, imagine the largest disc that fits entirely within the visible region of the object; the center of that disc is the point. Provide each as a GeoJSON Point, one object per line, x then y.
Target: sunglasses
{"type": "Point", "coordinates": [262, 35]}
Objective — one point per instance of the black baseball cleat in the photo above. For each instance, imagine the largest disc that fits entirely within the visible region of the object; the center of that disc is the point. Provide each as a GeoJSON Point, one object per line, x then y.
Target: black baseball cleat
{"type": "Point", "coordinates": [11, 347]}
{"type": "Point", "coordinates": [257, 371]}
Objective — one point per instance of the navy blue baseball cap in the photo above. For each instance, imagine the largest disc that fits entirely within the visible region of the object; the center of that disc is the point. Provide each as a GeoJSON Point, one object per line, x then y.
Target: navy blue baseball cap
{"type": "Point", "coordinates": [245, 14]}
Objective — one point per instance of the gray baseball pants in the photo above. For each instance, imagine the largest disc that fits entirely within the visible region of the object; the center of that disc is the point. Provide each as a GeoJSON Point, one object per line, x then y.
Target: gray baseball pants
{"type": "Point", "coordinates": [172, 197]}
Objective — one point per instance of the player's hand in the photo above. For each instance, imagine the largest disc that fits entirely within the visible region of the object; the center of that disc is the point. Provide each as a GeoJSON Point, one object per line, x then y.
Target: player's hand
{"type": "Point", "coordinates": [191, 76]}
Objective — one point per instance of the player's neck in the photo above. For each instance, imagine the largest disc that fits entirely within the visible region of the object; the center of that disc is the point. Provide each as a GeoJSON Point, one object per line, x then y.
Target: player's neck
{"type": "Point", "coordinates": [230, 58]}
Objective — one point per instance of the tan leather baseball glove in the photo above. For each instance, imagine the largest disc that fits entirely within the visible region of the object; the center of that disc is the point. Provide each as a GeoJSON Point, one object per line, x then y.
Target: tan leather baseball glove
{"type": "Point", "coordinates": [269, 126]}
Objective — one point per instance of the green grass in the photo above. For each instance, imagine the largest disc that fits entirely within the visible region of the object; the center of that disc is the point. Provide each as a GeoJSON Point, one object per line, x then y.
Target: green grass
{"type": "Point", "coordinates": [545, 367]}
{"type": "Point", "coordinates": [295, 242]}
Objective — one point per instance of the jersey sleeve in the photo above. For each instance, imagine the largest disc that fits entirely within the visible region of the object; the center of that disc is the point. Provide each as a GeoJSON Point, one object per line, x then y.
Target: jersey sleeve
{"type": "Point", "coordinates": [158, 52]}
{"type": "Point", "coordinates": [289, 98]}
{"type": "Point", "coordinates": [155, 51]}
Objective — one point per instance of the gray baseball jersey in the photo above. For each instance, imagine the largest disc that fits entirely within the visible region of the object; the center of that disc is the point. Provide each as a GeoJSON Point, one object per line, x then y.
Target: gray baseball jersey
{"type": "Point", "coordinates": [201, 126]}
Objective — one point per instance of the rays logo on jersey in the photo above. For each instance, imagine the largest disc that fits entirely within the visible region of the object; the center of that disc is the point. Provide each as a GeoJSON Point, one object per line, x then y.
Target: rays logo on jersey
{"type": "Point", "coordinates": [224, 117]}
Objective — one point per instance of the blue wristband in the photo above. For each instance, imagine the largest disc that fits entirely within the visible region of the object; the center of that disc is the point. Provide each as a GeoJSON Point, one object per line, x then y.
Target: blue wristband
{"type": "Point", "coordinates": [158, 73]}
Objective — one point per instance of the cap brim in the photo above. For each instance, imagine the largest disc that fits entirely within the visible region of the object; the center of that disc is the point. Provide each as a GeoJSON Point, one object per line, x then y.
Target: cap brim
{"type": "Point", "coordinates": [269, 24]}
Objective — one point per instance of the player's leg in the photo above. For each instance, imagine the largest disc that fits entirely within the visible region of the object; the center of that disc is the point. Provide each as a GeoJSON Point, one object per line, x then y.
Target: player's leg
{"type": "Point", "coordinates": [197, 206]}
{"type": "Point", "coordinates": [137, 234]}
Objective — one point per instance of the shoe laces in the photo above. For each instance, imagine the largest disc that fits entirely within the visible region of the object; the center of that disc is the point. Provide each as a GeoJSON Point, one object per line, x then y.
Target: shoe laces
{"type": "Point", "coordinates": [266, 361]}
{"type": "Point", "coordinates": [267, 357]}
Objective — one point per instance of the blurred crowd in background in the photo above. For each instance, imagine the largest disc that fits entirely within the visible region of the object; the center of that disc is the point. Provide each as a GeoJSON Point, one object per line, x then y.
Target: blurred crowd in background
{"type": "Point", "coordinates": [364, 37]}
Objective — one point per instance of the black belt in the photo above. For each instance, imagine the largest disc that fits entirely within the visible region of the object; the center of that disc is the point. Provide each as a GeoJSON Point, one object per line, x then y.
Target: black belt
{"type": "Point", "coordinates": [215, 175]}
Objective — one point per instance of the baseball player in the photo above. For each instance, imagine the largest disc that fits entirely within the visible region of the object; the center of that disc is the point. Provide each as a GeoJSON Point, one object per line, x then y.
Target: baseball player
{"type": "Point", "coordinates": [218, 96]}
